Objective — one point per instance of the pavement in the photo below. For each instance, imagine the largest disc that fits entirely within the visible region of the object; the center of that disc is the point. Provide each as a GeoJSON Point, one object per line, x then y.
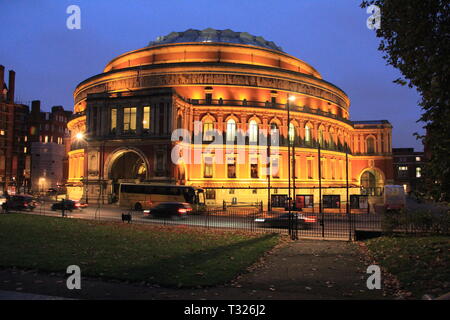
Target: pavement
{"type": "Point", "coordinates": [304, 269]}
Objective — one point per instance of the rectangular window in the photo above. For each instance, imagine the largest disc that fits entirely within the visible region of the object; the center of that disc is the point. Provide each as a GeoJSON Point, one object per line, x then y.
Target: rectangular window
{"type": "Point", "coordinates": [322, 168]}
{"type": "Point", "coordinates": [333, 169]}
{"type": "Point", "coordinates": [279, 200]}
{"type": "Point", "coordinates": [309, 164]}
{"type": "Point", "coordinates": [304, 201]}
{"type": "Point", "coordinates": [208, 170]}
{"type": "Point", "coordinates": [211, 194]}
{"type": "Point", "coordinates": [113, 120]}
{"type": "Point", "coordinates": [208, 98]}
{"type": "Point", "coordinates": [146, 118]}
{"type": "Point", "coordinates": [275, 167]}
{"type": "Point", "coordinates": [331, 201]}
{"type": "Point", "coordinates": [231, 167]}
{"type": "Point", "coordinates": [129, 119]}
{"type": "Point", "coordinates": [254, 168]}
{"type": "Point", "coordinates": [418, 172]}
{"type": "Point", "coordinates": [159, 162]}
{"type": "Point", "coordinates": [208, 131]}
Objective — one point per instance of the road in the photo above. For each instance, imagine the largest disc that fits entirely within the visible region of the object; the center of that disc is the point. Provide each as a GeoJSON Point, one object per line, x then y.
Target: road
{"type": "Point", "coordinates": [334, 226]}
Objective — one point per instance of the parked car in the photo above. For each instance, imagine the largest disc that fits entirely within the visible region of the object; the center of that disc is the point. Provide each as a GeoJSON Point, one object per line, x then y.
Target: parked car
{"type": "Point", "coordinates": [69, 205]}
{"type": "Point", "coordinates": [2, 200]}
{"type": "Point", "coordinates": [170, 210]}
{"type": "Point", "coordinates": [21, 202]}
{"type": "Point", "coordinates": [282, 221]}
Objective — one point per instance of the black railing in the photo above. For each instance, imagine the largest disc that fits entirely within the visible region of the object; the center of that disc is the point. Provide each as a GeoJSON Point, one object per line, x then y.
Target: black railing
{"type": "Point", "coordinates": [266, 104]}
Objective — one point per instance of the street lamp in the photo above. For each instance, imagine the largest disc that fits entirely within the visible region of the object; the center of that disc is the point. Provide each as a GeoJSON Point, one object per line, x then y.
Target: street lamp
{"type": "Point", "coordinates": [79, 136]}
{"type": "Point", "coordinates": [292, 233]}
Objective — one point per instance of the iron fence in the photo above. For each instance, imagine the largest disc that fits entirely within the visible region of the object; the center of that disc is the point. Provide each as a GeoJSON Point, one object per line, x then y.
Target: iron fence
{"type": "Point", "coordinates": [354, 224]}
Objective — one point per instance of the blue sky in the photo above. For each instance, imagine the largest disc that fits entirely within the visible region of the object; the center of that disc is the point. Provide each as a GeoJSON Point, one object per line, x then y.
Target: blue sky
{"type": "Point", "coordinates": [50, 60]}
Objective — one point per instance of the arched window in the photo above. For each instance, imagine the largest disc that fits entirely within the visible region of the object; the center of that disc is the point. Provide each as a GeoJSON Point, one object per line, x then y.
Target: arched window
{"type": "Point", "coordinates": [208, 128]}
{"type": "Point", "coordinates": [291, 133]}
{"type": "Point", "coordinates": [274, 134]}
{"type": "Point", "coordinates": [253, 131]}
{"type": "Point", "coordinates": [321, 136]}
{"type": "Point", "coordinates": [273, 128]}
{"type": "Point", "coordinates": [231, 130]}
{"type": "Point", "coordinates": [370, 145]}
{"type": "Point", "coordinates": [307, 134]}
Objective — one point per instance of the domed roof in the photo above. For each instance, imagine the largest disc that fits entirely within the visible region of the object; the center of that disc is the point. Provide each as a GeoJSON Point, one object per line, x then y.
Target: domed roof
{"type": "Point", "coordinates": [213, 35]}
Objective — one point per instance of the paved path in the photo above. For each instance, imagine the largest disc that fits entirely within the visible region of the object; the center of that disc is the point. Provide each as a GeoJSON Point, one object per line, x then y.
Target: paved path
{"type": "Point", "coordinates": [306, 269]}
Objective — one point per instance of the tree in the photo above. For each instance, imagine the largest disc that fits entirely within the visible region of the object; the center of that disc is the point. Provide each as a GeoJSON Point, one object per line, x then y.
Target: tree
{"type": "Point", "coordinates": [415, 36]}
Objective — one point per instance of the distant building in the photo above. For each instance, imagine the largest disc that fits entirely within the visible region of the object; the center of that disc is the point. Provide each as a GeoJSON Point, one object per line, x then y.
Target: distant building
{"type": "Point", "coordinates": [48, 135]}
{"type": "Point", "coordinates": [14, 151]}
{"type": "Point", "coordinates": [408, 166]}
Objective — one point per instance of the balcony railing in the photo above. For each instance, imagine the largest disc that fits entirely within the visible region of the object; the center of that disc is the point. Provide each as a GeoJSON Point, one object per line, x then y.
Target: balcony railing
{"type": "Point", "coordinates": [266, 104]}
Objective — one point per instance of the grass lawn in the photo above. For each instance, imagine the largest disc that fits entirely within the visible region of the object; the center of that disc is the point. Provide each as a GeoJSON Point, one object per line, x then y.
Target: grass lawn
{"type": "Point", "coordinates": [421, 264]}
{"type": "Point", "coordinates": [169, 256]}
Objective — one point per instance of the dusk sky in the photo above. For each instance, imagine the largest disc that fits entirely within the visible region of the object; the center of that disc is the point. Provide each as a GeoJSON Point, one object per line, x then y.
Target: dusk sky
{"type": "Point", "coordinates": [50, 60]}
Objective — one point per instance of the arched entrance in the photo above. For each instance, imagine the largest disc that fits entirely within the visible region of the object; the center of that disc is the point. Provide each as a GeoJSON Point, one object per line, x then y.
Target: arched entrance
{"type": "Point", "coordinates": [127, 166]}
{"type": "Point", "coordinates": [372, 182]}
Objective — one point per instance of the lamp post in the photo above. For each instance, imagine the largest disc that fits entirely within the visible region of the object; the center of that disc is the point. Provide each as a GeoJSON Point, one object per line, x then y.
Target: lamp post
{"type": "Point", "coordinates": [320, 190]}
{"type": "Point", "coordinates": [289, 99]}
{"type": "Point", "coordinates": [268, 170]}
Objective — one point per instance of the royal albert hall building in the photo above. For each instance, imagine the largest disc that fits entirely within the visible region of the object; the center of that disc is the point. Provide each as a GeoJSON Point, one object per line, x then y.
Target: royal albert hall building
{"type": "Point", "coordinates": [239, 87]}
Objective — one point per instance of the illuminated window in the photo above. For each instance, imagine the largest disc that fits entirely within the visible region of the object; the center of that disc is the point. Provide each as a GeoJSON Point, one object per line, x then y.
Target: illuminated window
{"type": "Point", "coordinates": [275, 166]}
{"type": "Point", "coordinates": [322, 168]}
{"type": "Point", "coordinates": [307, 134]}
{"type": "Point", "coordinates": [46, 139]}
{"type": "Point", "coordinates": [2, 132]}
{"type": "Point", "coordinates": [291, 133]}
{"type": "Point", "coordinates": [254, 168]}
{"type": "Point", "coordinates": [333, 169]}
{"type": "Point", "coordinates": [253, 131]}
{"type": "Point", "coordinates": [418, 172]}
{"type": "Point", "coordinates": [418, 159]}
{"type": "Point", "coordinates": [208, 170]}
{"type": "Point", "coordinates": [113, 119]}
{"type": "Point", "coordinates": [274, 134]}
{"type": "Point", "coordinates": [402, 171]}
{"type": "Point", "coordinates": [309, 164]}
{"type": "Point", "coordinates": [231, 130]}
{"type": "Point", "coordinates": [231, 167]}
{"type": "Point", "coordinates": [208, 128]}
{"type": "Point", "coordinates": [146, 118]}
{"type": "Point", "coordinates": [321, 136]}
{"type": "Point", "coordinates": [129, 119]}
